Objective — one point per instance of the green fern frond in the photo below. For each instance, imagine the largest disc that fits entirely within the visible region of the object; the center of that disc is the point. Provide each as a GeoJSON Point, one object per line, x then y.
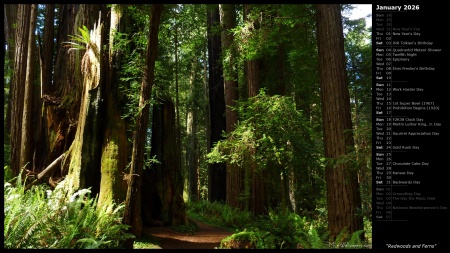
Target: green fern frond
{"type": "Point", "coordinates": [85, 35]}
{"type": "Point", "coordinates": [314, 238]}
{"type": "Point", "coordinates": [79, 41]}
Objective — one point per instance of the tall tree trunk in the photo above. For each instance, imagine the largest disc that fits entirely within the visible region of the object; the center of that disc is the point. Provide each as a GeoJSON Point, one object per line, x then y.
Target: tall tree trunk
{"type": "Point", "coordinates": [191, 130]}
{"type": "Point", "coordinates": [177, 98]}
{"type": "Point", "coordinates": [207, 116]}
{"type": "Point", "coordinates": [216, 171]}
{"type": "Point", "coordinates": [113, 187]}
{"type": "Point", "coordinates": [27, 144]}
{"type": "Point", "coordinates": [343, 197]}
{"type": "Point", "coordinates": [18, 84]}
{"type": "Point", "coordinates": [258, 187]}
{"type": "Point", "coordinates": [235, 174]}
{"type": "Point", "coordinates": [47, 56]}
{"type": "Point", "coordinates": [132, 213]}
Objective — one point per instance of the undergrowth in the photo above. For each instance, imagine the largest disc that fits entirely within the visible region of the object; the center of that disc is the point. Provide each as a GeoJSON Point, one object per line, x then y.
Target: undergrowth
{"type": "Point", "coordinates": [277, 230]}
{"type": "Point", "coordinates": [41, 218]}
{"type": "Point", "coordinates": [219, 214]}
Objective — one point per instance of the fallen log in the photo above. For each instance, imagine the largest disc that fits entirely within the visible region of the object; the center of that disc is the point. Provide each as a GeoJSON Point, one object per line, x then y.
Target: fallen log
{"type": "Point", "coordinates": [45, 172]}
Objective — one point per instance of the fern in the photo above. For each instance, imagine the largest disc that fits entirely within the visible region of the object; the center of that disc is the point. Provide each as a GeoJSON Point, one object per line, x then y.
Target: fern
{"type": "Point", "coordinates": [40, 218]}
{"type": "Point", "coordinates": [80, 41]}
{"type": "Point", "coordinates": [314, 238]}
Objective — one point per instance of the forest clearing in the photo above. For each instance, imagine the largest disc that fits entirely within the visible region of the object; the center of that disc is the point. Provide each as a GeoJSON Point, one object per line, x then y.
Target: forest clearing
{"type": "Point", "coordinates": [187, 126]}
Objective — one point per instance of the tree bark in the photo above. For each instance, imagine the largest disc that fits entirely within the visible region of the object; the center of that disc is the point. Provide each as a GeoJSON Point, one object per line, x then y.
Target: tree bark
{"type": "Point", "coordinates": [18, 84]}
{"type": "Point", "coordinates": [45, 51]}
{"type": "Point", "coordinates": [44, 173]}
{"type": "Point", "coordinates": [216, 171]}
{"type": "Point", "coordinates": [132, 213]}
{"type": "Point", "coordinates": [168, 178]}
{"type": "Point", "coordinates": [258, 186]}
{"type": "Point", "coordinates": [85, 151]}
{"type": "Point", "coordinates": [63, 100]}
{"type": "Point", "coordinates": [113, 187]}
{"type": "Point", "coordinates": [47, 56]}
{"type": "Point", "coordinates": [191, 131]}
{"type": "Point", "coordinates": [343, 197]}
{"type": "Point", "coordinates": [27, 144]}
{"type": "Point", "coordinates": [235, 174]}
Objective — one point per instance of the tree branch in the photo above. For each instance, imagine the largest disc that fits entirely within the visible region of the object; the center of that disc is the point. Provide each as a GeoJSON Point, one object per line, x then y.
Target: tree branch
{"type": "Point", "coordinates": [45, 172]}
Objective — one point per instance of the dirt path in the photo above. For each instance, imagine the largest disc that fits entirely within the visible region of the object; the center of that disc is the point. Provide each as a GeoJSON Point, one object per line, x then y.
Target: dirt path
{"type": "Point", "coordinates": [207, 237]}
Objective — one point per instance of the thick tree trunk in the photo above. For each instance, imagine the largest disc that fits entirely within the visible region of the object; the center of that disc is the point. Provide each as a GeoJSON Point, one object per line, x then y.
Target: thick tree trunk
{"type": "Point", "coordinates": [18, 84]}
{"type": "Point", "coordinates": [85, 152]}
{"type": "Point", "coordinates": [191, 131]}
{"type": "Point", "coordinates": [132, 213]}
{"type": "Point", "coordinates": [113, 187]}
{"type": "Point", "coordinates": [258, 200]}
{"type": "Point", "coordinates": [63, 100]}
{"type": "Point", "coordinates": [27, 144]}
{"type": "Point", "coordinates": [216, 171]}
{"type": "Point", "coordinates": [235, 174]}
{"type": "Point", "coordinates": [343, 197]}
{"type": "Point", "coordinates": [168, 177]}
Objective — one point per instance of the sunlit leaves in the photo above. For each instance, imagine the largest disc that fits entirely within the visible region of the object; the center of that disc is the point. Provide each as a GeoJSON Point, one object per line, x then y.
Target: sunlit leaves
{"type": "Point", "coordinates": [273, 127]}
{"type": "Point", "coordinates": [80, 41]}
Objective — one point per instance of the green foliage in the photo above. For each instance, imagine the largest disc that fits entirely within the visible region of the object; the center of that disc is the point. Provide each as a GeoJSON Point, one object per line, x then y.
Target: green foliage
{"type": "Point", "coordinates": [189, 228]}
{"type": "Point", "coordinates": [218, 214]}
{"type": "Point", "coordinates": [354, 242]}
{"type": "Point", "coordinates": [8, 174]}
{"type": "Point", "coordinates": [41, 218]}
{"type": "Point", "coordinates": [146, 242]}
{"type": "Point", "coordinates": [275, 231]}
{"type": "Point", "coordinates": [80, 41]}
{"type": "Point", "coordinates": [272, 126]}
{"type": "Point", "coordinates": [286, 230]}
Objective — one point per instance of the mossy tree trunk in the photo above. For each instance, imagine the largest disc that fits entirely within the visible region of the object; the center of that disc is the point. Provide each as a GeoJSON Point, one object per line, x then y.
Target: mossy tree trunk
{"type": "Point", "coordinates": [63, 96]}
{"type": "Point", "coordinates": [113, 187]}
{"type": "Point", "coordinates": [85, 152]}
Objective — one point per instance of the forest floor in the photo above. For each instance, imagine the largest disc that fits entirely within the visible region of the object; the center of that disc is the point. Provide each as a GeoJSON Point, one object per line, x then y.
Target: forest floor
{"type": "Point", "coordinates": [207, 237]}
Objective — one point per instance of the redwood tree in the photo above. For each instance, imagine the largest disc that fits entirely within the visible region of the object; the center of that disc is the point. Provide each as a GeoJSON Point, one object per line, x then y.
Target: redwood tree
{"type": "Point", "coordinates": [18, 82]}
{"type": "Point", "coordinates": [216, 171]}
{"type": "Point", "coordinates": [132, 213]}
{"type": "Point", "coordinates": [113, 187]}
{"type": "Point", "coordinates": [27, 144]}
{"type": "Point", "coordinates": [253, 78]}
{"type": "Point", "coordinates": [343, 196]}
{"type": "Point", "coordinates": [235, 175]}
